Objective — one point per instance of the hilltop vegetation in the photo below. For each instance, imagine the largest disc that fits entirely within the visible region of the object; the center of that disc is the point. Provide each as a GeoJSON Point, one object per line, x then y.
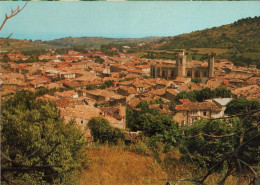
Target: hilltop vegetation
{"type": "Point", "coordinates": [95, 42]}
{"type": "Point", "coordinates": [238, 42]}
{"type": "Point", "coordinates": [24, 45]}
{"type": "Point", "coordinates": [242, 35]}
{"type": "Point", "coordinates": [76, 43]}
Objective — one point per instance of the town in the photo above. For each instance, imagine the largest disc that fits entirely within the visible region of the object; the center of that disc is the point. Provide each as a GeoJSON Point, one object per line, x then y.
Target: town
{"type": "Point", "coordinates": [92, 84]}
{"type": "Point", "coordinates": [130, 93]}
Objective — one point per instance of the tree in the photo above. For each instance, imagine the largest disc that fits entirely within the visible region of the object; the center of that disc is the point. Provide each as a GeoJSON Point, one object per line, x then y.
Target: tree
{"type": "Point", "coordinates": [204, 94]}
{"type": "Point", "coordinates": [184, 94]}
{"type": "Point", "coordinates": [37, 146]}
{"type": "Point", "coordinates": [241, 105]}
{"type": "Point", "coordinates": [12, 14]}
{"type": "Point", "coordinates": [196, 80]}
{"type": "Point", "coordinates": [229, 146]}
{"type": "Point", "coordinates": [154, 124]}
{"type": "Point", "coordinates": [134, 118]}
{"type": "Point", "coordinates": [104, 133]}
{"type": "Point", "coordinates": [222, 92]}
{"type": "Point", "coordinates": [170, 137]}
{"type": "Point", "coordinates": [99, 60]}
{"type": "Point", "coordinates": [5, 59]}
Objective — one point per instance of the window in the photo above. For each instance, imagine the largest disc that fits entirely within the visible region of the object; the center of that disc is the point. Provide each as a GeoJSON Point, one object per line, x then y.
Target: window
{"type": "Point", "coordinates": [81, 122]}
{"type": "Point", "coordinates": [204, 113]}
{"type": "Point", "coordinates": [205, 73]}
{"type": "Point", "coordinates": [188, 73]}
{"type": "Point", "coordinates": [172, 73]}
{"type": "Point", "coordinates": [158, 72]}
{"type": "Point", "coordinates": [197, 74]}
{"type": "Point", "coordinates": [183, 114]}
{"type": "Point", "coordinates": [182, 123]}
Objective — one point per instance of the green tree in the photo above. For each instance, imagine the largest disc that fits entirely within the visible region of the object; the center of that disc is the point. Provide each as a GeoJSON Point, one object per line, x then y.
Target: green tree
{"type": "Point", "coordinates": [170, 137]}
{"type": "Point", "coordinates": [241, 105]}
{"type": "Point", "coordinates": [133, 117]}
{"type": "Point", "coordinates": [104, 133]}
{"type": "Point", "coordinates": [196, 80]}
{"type": "Point", "coordinates": [154, 124]}
{"type": "Point", "coordinates": [5, 59]}
{"type": "Point", "coordinates": [185, 94]}
{"type": "Point", "coordinates": [229, 145]}
{"type": "Point", "coordinates": [204, 94]}
{"type": "Point", "coordinates": [91, 87]}
{"type": "Point", "coordinates": [99, 60]}
{"type": "Point", "coordinates": [222, 92]}
{"type": "Point", "coordinates": [37, 146]}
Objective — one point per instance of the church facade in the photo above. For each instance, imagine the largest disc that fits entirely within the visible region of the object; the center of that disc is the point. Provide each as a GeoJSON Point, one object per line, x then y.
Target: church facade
{"type": "Point", "coordinates": [183, 68]}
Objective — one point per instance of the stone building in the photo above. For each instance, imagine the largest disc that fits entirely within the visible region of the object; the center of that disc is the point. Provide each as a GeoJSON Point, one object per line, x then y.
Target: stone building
{"type": "Point", "coordinates": [189, 112]}
{"type": "Point", "coordinates": [182, 68]}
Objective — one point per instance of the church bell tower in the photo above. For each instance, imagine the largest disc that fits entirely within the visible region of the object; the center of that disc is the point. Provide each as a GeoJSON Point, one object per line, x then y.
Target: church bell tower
{"type": "Point", "coordinates": [211, 62]}
{"type": "Point", "coordinates": [181, 65]}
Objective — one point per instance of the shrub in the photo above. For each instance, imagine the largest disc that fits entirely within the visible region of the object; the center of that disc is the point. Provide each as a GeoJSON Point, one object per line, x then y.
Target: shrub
{"type": "Point", "coordinates": [104, 133]}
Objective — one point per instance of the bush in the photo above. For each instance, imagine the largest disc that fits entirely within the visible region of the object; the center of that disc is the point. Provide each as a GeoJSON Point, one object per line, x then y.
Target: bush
{"type": "Point", "coordinates": [196, 80]}
{"type": "Point", "coordinates": [208, 143]}
{"type": "Point", "coordinates": [140, 147]}
{"type": "Point", "coordinates": [241, 105]}
{"type": "Point", "coordinates": [104, 133]}
{"type": "Point", "coordinates": [41, 147]}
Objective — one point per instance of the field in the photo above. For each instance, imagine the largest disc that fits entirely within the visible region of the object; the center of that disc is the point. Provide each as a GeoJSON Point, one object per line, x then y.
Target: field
{"type": "Point", "coordinates": [119, 165]}
{"type": "Point", "coordinates": [218, 51]}
{"type": "Point", "coordinates": [193, 53]}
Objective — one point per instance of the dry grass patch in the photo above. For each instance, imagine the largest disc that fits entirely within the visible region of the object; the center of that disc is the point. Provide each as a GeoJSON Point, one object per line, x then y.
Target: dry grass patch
{"type": "Point", "coordinates": [117, 166]}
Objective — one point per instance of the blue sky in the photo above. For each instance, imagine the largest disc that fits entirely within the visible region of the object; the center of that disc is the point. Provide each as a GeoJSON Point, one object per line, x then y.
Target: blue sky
{"type": "Point", "coordinates": [50, 20]}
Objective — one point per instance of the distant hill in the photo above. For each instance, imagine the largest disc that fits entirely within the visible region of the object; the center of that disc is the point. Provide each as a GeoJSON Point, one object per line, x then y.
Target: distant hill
{"type": "Point", "coordinates": [243, 35]}
{"type": "Point", "coordinates": [96, 42]}
{"type": "Point", "coordinates": [23, 45]}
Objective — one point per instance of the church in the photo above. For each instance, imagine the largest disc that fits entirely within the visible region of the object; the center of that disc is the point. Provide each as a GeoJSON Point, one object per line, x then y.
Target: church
{"type": "Point", "coordinates": [183, 68]}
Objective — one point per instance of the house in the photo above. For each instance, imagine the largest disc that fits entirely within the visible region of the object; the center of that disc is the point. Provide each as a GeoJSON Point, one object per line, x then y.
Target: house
{"type": "Point", "coordinates": [182, 80]}
{"type": "Point", "coordinates": [81, 114]}
{"type": "Point", "coordinates": [116, 115]}
{"type": "Point", "coordinates": [144, 68]}
{"type": "Point", "coordinates": [117, 68]}
{"type": "Point", "coordinates": [47, 57]}
{"type": "Point", "coordinates": [135, 71]}
{"type": "Point", "coordinates": [222, 102]}
{"type": "Point", "coordinates": [104, 96]}
{"type": "Point", "coordinates": [67, 74]}
{"type": "Point", "coordinates": [170, 94]}
{"type": "Point", "coordinates": [15, 55]}
{"type": "Point", "coordinates": [248, 91]}
{"type": "Point", "coordinates": [126, 91]}
{"type": "Point", "coordinates": [72, 52]}
{"type": "Point", "coordinates": [140, 85]}
{"type": "Point", "coordinates": [188, 112]}
{"type": "Point", "coordinates": [66, 94]}
{"type": "Point", "coordinates": [80, 65]}
{"type": "Point", "coordinates": [38, 82]}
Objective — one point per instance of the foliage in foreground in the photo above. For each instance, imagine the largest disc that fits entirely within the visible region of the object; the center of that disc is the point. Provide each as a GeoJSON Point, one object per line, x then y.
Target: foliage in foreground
{"type": "Point", "coordinates": [159, 128]}
{"type": "Point", "coordinates": [241, 106]}
{"type": "Point", "coordinates": [223, 145]}
{"type": "Point", "coordinates": [37, 146]}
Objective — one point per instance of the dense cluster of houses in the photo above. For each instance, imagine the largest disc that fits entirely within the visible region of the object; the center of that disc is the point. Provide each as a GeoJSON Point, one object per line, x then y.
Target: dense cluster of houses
{"type": "Point", "coordinates": [132, 83]}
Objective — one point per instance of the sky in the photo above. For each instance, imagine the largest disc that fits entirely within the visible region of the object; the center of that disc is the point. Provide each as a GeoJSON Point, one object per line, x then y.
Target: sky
{"type": "Point", "coordinates": [52, 20]}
